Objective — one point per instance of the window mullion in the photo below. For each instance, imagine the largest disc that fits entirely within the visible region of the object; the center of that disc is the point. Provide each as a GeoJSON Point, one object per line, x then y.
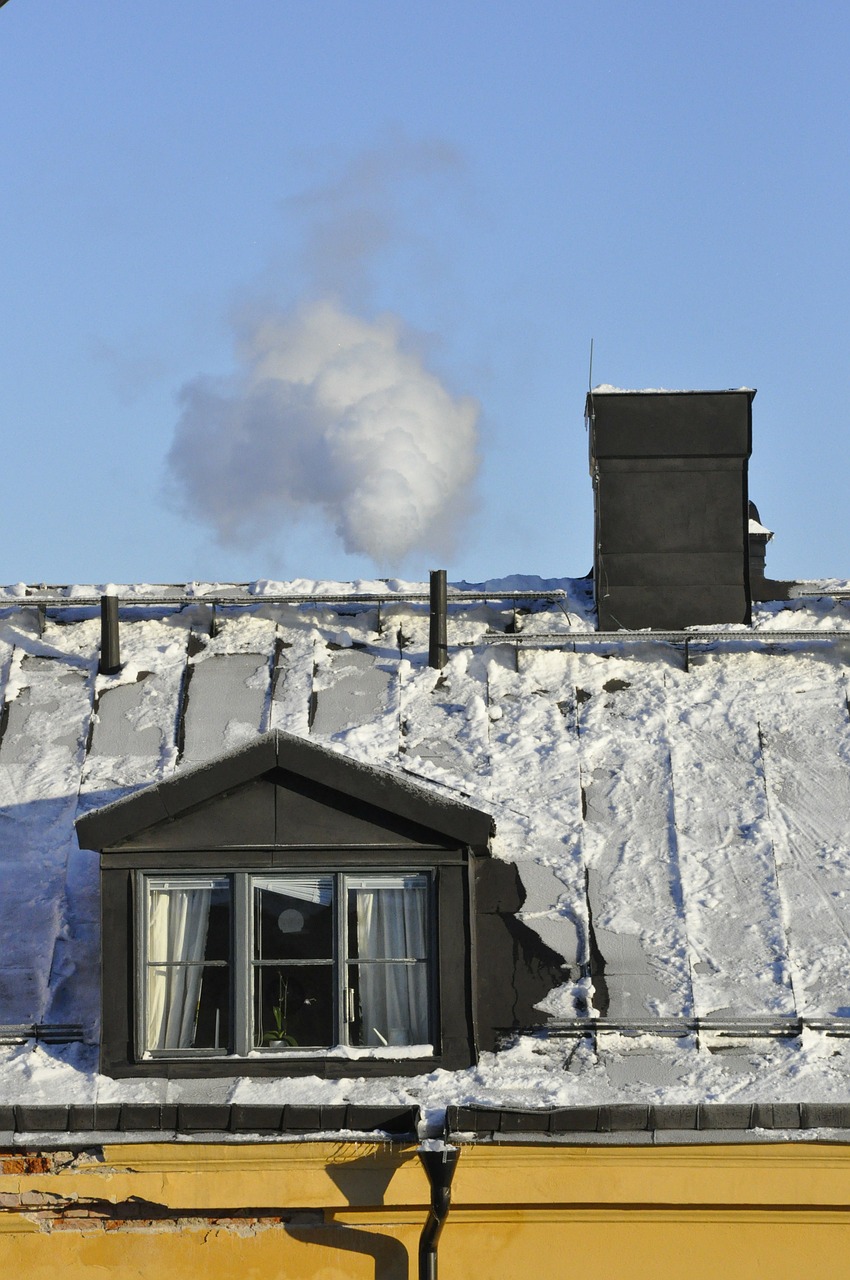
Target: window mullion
{"type": "Point", "coordinates": [343, 1031]}
{"type": "Point", "coordinates": [243, 969]}
{"type": "Point", "coordinates": [141, 909]}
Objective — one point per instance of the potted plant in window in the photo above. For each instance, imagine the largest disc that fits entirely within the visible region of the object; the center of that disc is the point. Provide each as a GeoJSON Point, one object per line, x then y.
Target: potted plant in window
{"type": "Point", "coordinates": [280, 1035]}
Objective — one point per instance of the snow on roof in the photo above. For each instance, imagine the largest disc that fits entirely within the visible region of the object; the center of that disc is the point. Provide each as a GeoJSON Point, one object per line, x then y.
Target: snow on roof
{"type": "Point", "coordinates": [606, 389]}
{"type": "Point", "coordinates": [687, 823]}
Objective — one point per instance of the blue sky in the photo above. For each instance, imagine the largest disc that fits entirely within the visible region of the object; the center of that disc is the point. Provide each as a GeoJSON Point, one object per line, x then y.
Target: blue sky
{"type": "Point", "coordinates": [507, 181]}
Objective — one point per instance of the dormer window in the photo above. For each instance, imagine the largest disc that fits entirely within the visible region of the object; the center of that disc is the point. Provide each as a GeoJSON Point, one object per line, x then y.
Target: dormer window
{"type": "Point", "coordinates": [285, 910]}
{"type": "Point", "coordinates": [252, 963]}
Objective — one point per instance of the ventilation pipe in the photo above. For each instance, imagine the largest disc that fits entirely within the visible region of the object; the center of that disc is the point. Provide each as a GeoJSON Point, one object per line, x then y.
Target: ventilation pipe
{"type": "Point", "coordinates": [440, 1165]}
{"type": "Point", "coordinates": [761, 587]}
{"type": "Point", "coordinates": [110, 648]}
{"type": "Point", "coordinates": [438, 649]}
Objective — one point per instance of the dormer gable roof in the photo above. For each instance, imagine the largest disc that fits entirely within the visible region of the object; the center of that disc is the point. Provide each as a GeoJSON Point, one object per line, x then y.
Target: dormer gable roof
{"type": "Point", "coordinates": [263, 783]}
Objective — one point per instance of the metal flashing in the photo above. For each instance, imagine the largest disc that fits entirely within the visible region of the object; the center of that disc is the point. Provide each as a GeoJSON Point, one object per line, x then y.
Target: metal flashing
{"type": "Point", "coordinates": [240, 597]}
{"type": "Point", "coordinates": [395, 1122]}
{"type": "Point", "coordinates": [619, 1124]}
{"type": "Point", "coordinates": [632, 1119]}
{"type": "Point", "coordinates": [42, 1033]}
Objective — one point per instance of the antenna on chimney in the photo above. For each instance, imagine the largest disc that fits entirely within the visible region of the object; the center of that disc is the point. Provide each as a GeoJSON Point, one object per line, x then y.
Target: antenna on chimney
{"type": "Point", "coordinates": [589, 417]}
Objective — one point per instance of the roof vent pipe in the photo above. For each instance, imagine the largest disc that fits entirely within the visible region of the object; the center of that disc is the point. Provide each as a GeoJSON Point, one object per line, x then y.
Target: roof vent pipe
{"type": "Point", "coordinates": [438, 648]}
{"type": "Point", "coordinates": [762, 588]}
{"type": "Point", "coordinates": [110, 647]}
{"type": "Point", "coordinates": [440, 1165]}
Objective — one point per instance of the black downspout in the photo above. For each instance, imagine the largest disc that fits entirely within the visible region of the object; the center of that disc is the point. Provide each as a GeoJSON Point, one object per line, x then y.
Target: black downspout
{"type": "Point", "coordinates": [440, 1166]}
{"type": "Point", "coordinates": [438, 648]}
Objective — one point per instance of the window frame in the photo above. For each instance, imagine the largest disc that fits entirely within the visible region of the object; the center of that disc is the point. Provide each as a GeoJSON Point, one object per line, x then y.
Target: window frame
{"type": "Point", "coordinates": [242, 962]}
{"type": "Point", "coordinates": [454, 1022]}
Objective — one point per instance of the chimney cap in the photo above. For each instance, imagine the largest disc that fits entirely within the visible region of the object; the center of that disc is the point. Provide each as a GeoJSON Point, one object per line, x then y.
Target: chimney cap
{"type": "Point", "coordinates": [755, 528]}
{"type": "Point", "coordinates": [605, 389]}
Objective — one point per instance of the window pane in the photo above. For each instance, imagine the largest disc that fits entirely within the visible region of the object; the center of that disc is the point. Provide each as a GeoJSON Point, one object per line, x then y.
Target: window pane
{"type": "Point", "coordinates": [293, 918]}
{"type": "Point", "coordinates": [188, 1007]}
{"type": "Point", "coordinates": [390, 1003]}
{"type": "Point", "coordinates": [187, 1001]}
{"type": "Point", "coordinates": [189, 922]}
{"type": "Point", "coordinates": [387, 922]}
{"type": "Point", "coordinates": [386, 919]}
{"type": "Point", "coordinates": [294, 1006]}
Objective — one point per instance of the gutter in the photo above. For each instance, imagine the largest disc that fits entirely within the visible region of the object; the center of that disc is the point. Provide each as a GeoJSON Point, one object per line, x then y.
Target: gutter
{"type": "Point", "coordinates": [440, 1163]}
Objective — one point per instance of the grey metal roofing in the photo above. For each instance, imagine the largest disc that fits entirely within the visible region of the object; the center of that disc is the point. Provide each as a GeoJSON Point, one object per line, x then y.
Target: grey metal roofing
{"type": "Point", "coordinates": [681, 835]}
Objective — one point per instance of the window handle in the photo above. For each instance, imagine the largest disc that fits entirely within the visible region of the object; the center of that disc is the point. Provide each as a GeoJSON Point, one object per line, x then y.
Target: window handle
{"type": "Point", "coordinates": [349, 1004]}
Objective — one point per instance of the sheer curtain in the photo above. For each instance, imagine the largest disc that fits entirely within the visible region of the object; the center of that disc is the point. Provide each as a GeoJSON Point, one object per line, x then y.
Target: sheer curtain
{"type": "Point", "coordinates": [391, 926]}
{"type": "Point", "coordinates": [177, 935]}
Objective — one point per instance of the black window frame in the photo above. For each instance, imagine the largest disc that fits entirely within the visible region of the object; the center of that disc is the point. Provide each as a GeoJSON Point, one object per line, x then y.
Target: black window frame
{"type": "Point", "coordinates": [455, 1033]}
{"type": "Point", "coordinates": [240, 1041]}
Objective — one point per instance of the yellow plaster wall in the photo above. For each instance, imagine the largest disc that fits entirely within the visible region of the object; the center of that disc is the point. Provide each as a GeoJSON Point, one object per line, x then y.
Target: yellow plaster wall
{"type": "Point", "coordinates": [727, 1212]}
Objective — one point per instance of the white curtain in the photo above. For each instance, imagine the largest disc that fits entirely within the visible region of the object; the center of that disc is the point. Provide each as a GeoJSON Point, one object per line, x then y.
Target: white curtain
{"type": "Point", "coordinates": [177, 933]}
{"type": "Point", "coordinates": [393, 996]}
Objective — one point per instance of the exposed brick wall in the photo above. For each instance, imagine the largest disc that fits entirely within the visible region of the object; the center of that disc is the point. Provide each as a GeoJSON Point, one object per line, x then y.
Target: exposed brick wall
{"type": "Point", "coordinates": [52, 1212]}
{"type": "Point", "coordinates": [64, 1213]}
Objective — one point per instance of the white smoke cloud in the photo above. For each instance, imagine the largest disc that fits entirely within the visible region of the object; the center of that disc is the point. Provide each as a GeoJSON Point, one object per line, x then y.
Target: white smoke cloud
{"type": "Point", "coordinates": [365, 213]}
{"type": "Point", "coordinates": [331, 412]}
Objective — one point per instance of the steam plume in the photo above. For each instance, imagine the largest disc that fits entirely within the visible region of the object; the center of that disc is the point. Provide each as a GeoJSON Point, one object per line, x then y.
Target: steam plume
{"type": "Point", "coordinates": [364, 213]}
{"type": "Point", "coordinates": [329, 411]}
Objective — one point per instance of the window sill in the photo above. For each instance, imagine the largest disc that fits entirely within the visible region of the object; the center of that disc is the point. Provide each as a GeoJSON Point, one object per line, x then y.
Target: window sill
{"type": "Point", "coordinates": [346, 1052]}
{"type": "Point", "coordinates": [339, 1053]}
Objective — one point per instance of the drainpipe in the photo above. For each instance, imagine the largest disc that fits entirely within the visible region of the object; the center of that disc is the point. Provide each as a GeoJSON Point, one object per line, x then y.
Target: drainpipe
{"type": "Point", "coordinates": [110, 648]}
{"type": "Point", "coordinates": [440, 1165]}
{"type": "Point", "coordinates": [438, 649]}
